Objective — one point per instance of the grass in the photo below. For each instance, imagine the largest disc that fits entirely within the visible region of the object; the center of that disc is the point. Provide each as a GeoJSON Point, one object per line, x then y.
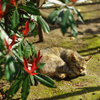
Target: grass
{"type": "Point", "coordinates": [81, 88]}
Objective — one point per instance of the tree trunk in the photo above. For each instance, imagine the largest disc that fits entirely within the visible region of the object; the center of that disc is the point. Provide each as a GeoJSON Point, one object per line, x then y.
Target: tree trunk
{"type": "Point", "coordinates": [40, 31]}
{"type": "Point", "coordinates": [6, 26]}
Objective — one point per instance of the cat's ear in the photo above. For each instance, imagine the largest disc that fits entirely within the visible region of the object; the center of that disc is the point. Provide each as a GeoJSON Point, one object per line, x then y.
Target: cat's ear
{"type": "Point", "coordinates": [73, 57]}
{"type": "Point", "coordinates": [87, 58]}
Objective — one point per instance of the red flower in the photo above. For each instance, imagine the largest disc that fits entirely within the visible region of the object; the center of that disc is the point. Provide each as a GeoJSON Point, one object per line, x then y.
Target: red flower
{"type": "Point", "coordinates": [74, 1]}
{"type": "Point", "coordinates": [38, 57]}
{"type": "Point", "coordinates": [7, 7]}
{"type": "Point", "coordinates": [33, 67]}
{"type": "Point", "coordinates": [26, 28]}
{"type": "Point", "coordinates": [12, 43]}
{"type": "Point", "coordinates": [1, 12]}
{"type": "Point", "coordinates": [13, 2]}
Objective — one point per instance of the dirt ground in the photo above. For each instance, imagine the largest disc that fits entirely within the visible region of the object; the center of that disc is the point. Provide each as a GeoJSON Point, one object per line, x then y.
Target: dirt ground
{"type": "Point", "coordinates": [87, 43]}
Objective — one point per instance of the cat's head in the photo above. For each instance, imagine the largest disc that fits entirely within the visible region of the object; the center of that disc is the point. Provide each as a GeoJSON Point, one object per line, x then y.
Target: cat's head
{"type": "Point", "coordinates": [76, 62]}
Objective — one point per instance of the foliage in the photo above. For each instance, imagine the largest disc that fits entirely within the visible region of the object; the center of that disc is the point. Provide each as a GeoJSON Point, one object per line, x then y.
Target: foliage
{"type": "Point", "coordinates": [15, 53]}
{"type": "Point", "coordinates": [63, 14]}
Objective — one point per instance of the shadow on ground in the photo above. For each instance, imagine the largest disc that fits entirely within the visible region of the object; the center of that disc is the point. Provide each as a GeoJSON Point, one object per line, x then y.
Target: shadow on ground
{"type": "Point", "coordinates": [70, 94]}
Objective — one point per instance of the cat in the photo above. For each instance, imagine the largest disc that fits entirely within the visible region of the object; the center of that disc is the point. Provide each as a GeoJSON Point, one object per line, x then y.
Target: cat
{"type": "Point", "coordinates": [63, 63]}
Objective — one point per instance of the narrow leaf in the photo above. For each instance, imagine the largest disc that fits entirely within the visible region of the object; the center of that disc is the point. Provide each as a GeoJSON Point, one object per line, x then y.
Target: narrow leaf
{"type": "Point", "coordinates": [32, 79]}
{"type": "Point", "coordinates": [16, 85]}
{"type": "Point", "coordinates": [32, 27]}
{"type": "Point", "coordinates": [65, 22]}
{"type": "Point", "coordinates": [11, 68]}
{"type": "Point", "coordinates": [27, 50]}
{"type": "Point", "coordinates": [20, 49]}
{"type": "Point", "coordinates": [45, 80]}
{"type": "Point", "coordinates": [20, 61]}
{"type": "Point", "coordinates": [31, 10]}
{"type": "Point", "coordinates": [52, 16]}
{"type": "Point", "coordinates": [15, 20]}
{"type": "Point", "coordinates": [25, 88]}
{"type": "Point", "coordinates": [79, 15]}
{"type": "Point", "coordinates": [1, 58]}
{"type": "Point", "coordinates": [40, 67]}
{"type": "Point", "coordinates": [44, 25]}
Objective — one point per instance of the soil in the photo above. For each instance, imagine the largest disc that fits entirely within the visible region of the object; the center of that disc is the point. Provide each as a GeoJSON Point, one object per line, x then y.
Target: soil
{"type": "Point", "coordinates": [87, 43]}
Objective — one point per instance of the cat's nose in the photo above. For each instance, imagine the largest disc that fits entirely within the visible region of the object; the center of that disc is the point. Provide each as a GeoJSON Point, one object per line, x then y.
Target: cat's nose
{"type": "Point", "coordinates": [83, 73]}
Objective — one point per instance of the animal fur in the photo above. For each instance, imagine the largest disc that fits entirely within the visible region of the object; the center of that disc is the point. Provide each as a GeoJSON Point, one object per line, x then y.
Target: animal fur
{"type": "Point", "coordinates": [63, 63]}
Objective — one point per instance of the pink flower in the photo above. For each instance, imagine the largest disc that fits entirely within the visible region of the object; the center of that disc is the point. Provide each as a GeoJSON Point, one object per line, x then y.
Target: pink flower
{"type": "Point", "coordinates": [33, 67]}
{"type": "Point", "coordinates": [12, 43]}
{"type": "Point", "coordinates": [25, 32]}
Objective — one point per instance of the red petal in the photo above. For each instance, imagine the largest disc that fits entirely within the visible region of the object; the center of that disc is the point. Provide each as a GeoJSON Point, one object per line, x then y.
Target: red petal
{"type": "Point", "coordinates": [13, 2]}
{"type": "Point", "coordinates": [7, 8]}
{"type": "Point", "coordinates": [13, 41]}
{"type": "Point", "coordinates": [1, 12]}
{"type": "Point", "coordinates": [33, 65]}
{"type": "Point", "coordinates": [27, 27]}
{"type": "Point", "coordinates": [23, 30]}
{"type": "Point", "coordinates": [1, 7]}
{"type": "Point", "coordinates": [27, 70]}
{"type": "Point", "coordinates": [38, 53]}
{"type": "Point", "coordinates": [6, 44]}
{"type": "Point", "coordinates": [25, 63]}
{"type": "Point", "coordinates": [33, 73]}
{"type": "Point", "coordinates": [74, 1]}
{"type": "Point", "coordinates": [36, 67]}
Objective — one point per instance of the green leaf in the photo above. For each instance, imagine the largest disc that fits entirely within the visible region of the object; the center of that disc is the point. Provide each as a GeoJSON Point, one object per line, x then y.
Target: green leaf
{"type": "Point", "coordinates": [40, 67]}
{"type": "Point", "coordinates": [32, 27]}
{"type": "Point", "coordinates": [16, 85]}
{"type": "Point", "coordinates": [25, 88]}
{"type": "Point", "coordinates": [65, 24]}
{"type": "Point", "coordinates": [79, 15]}
{"type": "Point", "coordinates": [31, 10]}
{"type": "Point", "coordinates": [15, 20]}
{"type": "Point", "coordinates": [0, 72]}
{"type": "Point", "coordinates": [32, 79]}
{"type": "Point", "coordinates": [53, 15]}
{"type": "Point", "coordinates": [45, 80]}
{"type": "Point", "coordinates": [34, 33]}
{"type": "Point", "coordinates": [73, 25]}
{"type": "Point", "coordinates": [44, 25]}
{"type": "Point", "coordinates": [1, 58]}
{"type": "Point", "coordinates": [26, 50]}
{"type": "Point", "coordinates": [33, 50]}
{"type": "Point", "coordinates": [11, 68]}
{"type": "Point", "coordinates": [20, 49]}
{"type": "Point", "coordinates": [20, 61]}
{"type": "Point", "coordinates": [2, 36]}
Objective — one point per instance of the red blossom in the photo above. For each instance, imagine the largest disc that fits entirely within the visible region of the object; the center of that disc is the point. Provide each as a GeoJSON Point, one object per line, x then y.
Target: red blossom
{"type": "Point", "coordinates": [27, 27]}
{"type": "Point", "coordinates": [33, 67]}
{"type": "Point", "coordinates": [38, 57]}
{"type": "Point", "coordinates": [25, 32]}
{"type": "Point", "coordinates": [1, 12]}
{"type": "Point", "coordinates": [74, 1]}
{"type": "Point", "coordinates": [7, 7]}
{"type": "Point", "coordinates": [12, 43]}
{"type": "Point", "coordinates": [13, 2]}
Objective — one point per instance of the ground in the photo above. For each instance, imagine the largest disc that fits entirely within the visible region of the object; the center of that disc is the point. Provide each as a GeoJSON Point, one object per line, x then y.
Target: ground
{"type": "Point", "coordinates": [87, 43]}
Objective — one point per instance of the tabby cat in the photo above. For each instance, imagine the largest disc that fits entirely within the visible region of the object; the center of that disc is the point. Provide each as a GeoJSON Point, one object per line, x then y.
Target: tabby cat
{"type": "Point", "coordinates": [63, 63]}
